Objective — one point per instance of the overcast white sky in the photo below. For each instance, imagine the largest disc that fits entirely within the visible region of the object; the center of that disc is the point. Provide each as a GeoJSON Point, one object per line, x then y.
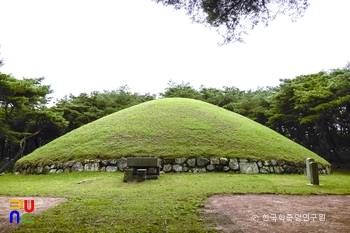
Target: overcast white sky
{"type": "Point", "coordinates": [84, 45]}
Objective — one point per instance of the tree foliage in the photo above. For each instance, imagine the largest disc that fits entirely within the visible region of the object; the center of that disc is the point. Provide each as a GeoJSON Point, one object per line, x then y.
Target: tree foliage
{"type": "Point", "coordinates": [252, 104]}
{"type": "Point", "coordinates": [255, 104]}
{"type": "Point", "coordinates": [231, 18]}
{"type": "Point", "coordinates": [85, 108]}
{"type": "Point", "coordinates": [225, 98]}
{"type": "Point", "coordinates": [24, 118]}
{"type": "Point", "coordinates": [183, 90]}
{"type": "Point", "coordinates": [313, 110]}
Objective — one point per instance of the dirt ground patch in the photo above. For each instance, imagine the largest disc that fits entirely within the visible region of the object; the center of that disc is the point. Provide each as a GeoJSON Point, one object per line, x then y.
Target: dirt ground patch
{"type": "Point", "coordinates": [40, 205]}
{"type": "Point", "coordinates": [278, 213]}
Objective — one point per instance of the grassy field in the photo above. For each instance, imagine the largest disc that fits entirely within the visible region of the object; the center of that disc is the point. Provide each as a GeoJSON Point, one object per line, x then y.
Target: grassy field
{"type": "Point", "coordinates": [169, 128]}
{"type": "Point", "coordinates": [103, 203]}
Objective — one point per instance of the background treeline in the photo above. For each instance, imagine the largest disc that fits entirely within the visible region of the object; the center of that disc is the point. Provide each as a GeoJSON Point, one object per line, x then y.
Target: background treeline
{"type": "Point", "coordinates": [312, 110]}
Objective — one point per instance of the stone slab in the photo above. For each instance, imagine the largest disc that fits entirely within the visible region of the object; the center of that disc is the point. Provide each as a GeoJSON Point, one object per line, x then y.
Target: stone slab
{"type": "Point", "coordinates": [143, 162]}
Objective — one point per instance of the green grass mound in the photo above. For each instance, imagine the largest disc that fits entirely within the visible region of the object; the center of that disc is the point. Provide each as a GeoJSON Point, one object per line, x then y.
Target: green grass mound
{"type": "Point", "coordinates": [170, 128]}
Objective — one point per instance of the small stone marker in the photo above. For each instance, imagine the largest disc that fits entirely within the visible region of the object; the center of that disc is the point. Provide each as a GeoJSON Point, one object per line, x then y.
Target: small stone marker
{"type": "Point", "coordinates": [128, 175]}
{"type": "Point", "coordinates": [308, 161]}
{"type": "Point", "coordinates": [314, 174]}
{"type": "Point", "coordinates": [141, 175]}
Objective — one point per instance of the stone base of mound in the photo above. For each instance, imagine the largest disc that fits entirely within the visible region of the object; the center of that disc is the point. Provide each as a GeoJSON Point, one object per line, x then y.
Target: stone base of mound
{"type": "Point", "coordinates": [192, 165]}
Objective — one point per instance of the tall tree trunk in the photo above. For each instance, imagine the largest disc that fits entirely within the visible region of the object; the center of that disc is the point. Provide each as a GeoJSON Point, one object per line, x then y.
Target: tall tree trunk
{"type": "Point", "coordinates": [22, 146]}
{"type": "Point", "coordinates": [2, 149]}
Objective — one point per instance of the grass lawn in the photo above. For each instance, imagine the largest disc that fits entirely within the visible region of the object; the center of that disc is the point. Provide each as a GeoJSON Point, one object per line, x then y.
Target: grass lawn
{"type": "Point", "coordinates": [103, 203]}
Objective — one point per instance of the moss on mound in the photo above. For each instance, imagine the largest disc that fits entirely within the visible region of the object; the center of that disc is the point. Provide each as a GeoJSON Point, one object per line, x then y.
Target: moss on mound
{"type": "Point", "coordinates": [169, 128]}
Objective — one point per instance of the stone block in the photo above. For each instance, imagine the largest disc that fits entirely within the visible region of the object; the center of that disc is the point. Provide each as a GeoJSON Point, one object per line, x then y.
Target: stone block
{"type": "Point", "coordinates": [111, 168]}
{"type": "Point", "coordinates": [280, 162]}
{"type": "Point", "coordinates": [320, 166]}
{"type": "Point", "coordinates": [88, 161]}
{"type": "Point", "coordinates": [53, 171]}
{"type": "Point", "coordinates": [70, 163]}
{"type": "Point", "coordinates": [292, 163]}
{"type": "Point", "coordinates": [266, 163]}
{"type": "Point", "coordinates": [191, 162]}
{"type": "Point", "coordinates": [288, 169]}
{"type": "Point", "coordinates": [142, 162]}
{"type": "Point", "coordinates": [259, 163]}
{"type": "Point", "coordinates": [152, 171]}
{"type": "Point", "coordinates": [169, 161]}
{"type": "Point", "coordinates": [122, 164]}
{"type": "Point", "coordinates": [202, 162]}
{"type": "Point", "coordinates": [77, 167]}
{"type": "Point", "coordinates": [38, 170]}
{"type": "Point", "coordinates": [233, 164]}
{"type": "Point", "coordinates": [278, 169]}
{"type": "Point", "coordinates": [46, 169]}
{"type": "Point", "coordinates": [224, 161]}
{"type": "Point", "coordinates": [177, 168]}
{"type": "Point", "coordinates": [128, 175]}
{"type": "Point", "coordinates": [104, 162]}
{"type": "Point", "coordinates": [180, 160]}
{"type": "Point", "coordinates": [197, 170]}
{"type": "Point", "coordinates": [211, 167]}
{"type": "Point", "coordinates": [113, 161]}
{"type": "Point", "coordinates": [299, 170]}
{"type": "Point", "coordinates": [264, 170]}
{"type": "Point", "coordinates": [141, 175]}
{"type": "Point", "coordinates": [248, 167]}
{"type": "Point", "coordinates": [219, 167]}
{"type": "Point", "coordinates": [167, 167]}
{"type": "Point", "coordinates": [273, 162]}
{"type": "Point", "coordinates": [90, 167]}
{"type": "Point", "coordinates": [214, 161]}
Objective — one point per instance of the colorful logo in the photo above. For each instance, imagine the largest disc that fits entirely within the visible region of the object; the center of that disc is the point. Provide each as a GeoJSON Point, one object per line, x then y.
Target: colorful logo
{"type": "Point", "coordinates": [26, 217]}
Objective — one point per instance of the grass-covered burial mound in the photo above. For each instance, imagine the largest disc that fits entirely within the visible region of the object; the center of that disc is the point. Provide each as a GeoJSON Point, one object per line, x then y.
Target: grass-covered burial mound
{"type": "Point", "coordinates": [171, 128]}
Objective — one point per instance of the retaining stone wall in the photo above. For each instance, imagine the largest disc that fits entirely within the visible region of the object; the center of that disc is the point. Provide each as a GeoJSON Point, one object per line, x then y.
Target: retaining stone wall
{"type": "Point", "coordinates": [193, 165]}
